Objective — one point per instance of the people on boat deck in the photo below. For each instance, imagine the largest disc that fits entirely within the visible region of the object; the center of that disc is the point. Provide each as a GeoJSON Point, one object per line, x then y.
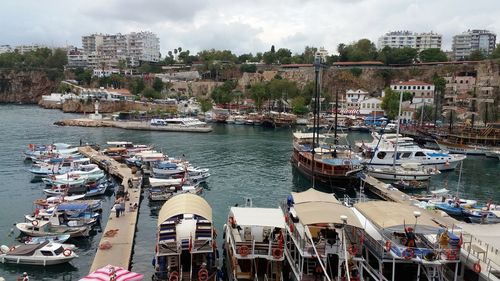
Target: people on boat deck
{"type": "Point", "coordinates": [410, 237]}
{"type": "Point", "coordinates": [444, 239]}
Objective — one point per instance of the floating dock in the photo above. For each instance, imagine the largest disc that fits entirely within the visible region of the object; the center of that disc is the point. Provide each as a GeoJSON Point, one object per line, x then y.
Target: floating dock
{"type": "Point", "coordinates": [117, 241]}
{"type": "Point", "coordinates": [481, 242]}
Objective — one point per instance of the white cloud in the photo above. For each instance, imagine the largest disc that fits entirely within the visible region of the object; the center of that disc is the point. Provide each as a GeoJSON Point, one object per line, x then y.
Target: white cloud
{"type": "Point", "coordinates": [244, 25]}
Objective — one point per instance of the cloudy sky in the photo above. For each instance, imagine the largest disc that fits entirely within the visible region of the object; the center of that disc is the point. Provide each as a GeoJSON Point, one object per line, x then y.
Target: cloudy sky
{"type": "Point", "coordinates": [241, 25]}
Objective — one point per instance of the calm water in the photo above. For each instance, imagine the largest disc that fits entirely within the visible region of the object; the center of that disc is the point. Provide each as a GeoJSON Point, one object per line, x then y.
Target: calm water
{"type": "Point", "coordinates": [244, 162]}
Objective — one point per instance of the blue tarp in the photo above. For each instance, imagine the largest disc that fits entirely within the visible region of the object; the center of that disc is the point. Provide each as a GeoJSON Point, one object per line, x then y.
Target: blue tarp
{"type": "Point", "coordinates": [438, 155]}
{"type": "Point", "coordinates": [72, 206]}
{"type": "Point", "coordinates": [166, 165]}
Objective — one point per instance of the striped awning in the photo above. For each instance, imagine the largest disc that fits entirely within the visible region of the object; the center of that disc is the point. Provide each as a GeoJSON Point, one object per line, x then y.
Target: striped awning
{"type": "Point", "coordinates": [110, 271]}
{"type": "Point", "coordinates": [349, 111]}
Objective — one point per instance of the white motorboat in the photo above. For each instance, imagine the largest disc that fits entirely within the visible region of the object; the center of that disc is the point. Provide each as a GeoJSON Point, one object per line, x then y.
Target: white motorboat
{"type": "Point", "coordinates": [481, 216]}
{"type": "Point", "coordinates": [493, 153]}
{"type": "Point", "coordinates": [167, 169]}
{"type": "Point", "coordinates": [407, 171]}
{"type": "Point", "coordinates": [52, 239]}
{"type": "Point", "coordinates": [156, 182]}
{"type": "Point", "coordinates": [165, 193]}
{"type": "Point", "coordinates": [59, 168]}
{"type": "Point", "coordinates": [197, 175]}
{"type": "Point", "coordinates": [37, 254]}
{"type": "Point", "coordinates": [44, 228]}
{"type": "Point", "coordinates": [180, 122]}
{"type": "Point", "coordinates": [90, 173]}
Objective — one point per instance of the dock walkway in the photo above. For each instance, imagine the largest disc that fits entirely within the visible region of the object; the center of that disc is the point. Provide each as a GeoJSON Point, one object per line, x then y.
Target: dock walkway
{"type": "Point", "coordinates": [119, 232]}
{"type": "Point", "coordinates": [481, 241]}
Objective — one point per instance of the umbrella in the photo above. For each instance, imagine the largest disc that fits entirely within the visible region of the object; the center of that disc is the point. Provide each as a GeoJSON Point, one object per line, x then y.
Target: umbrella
{"type": "Point", "coordinates": [106, 274]}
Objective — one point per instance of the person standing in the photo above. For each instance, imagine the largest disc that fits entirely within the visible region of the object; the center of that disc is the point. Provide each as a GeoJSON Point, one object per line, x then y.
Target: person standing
{"type": "Point", "coordinates": [117, 207]}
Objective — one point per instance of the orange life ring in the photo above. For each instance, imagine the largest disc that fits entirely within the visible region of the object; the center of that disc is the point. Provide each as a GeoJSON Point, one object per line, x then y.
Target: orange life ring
{"type": "Point", "coordinates": [408, 253]}
{"type": "Point", "coordinates": [388, 245]}
{"type": "Point", "coordinates": [477, 267]}
{"type": "Point", "coordinates": [277, 253]}
{"type": "Point", "coordinates": [243, 251]}
{"type": "Point", "coordinates": [34, 222]}
{"type": "Point", "coordinates": [174, 276]}
{"type": "Point", "coordinates": [353, 249]}
{"type": "Point", "coordinates": [67, 252]}
{"type": "Point", "coordinates": [203, 274]}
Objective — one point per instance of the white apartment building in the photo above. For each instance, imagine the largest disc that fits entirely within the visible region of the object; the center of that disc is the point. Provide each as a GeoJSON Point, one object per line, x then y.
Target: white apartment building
{"type": "Point", "coordinates": [28, 48]}
{"type": "Point", "coordinates": [107, 49]}
{"type": "Point", "coordinates": [77, 58]}
{"type": "Point", "coordinates": [472, 40]}
{"type": "Point", "coordinates": [402, 39]}
{"type": "Point", "coordinates": [422, 92]}
{"type": "Point", "coordinates": [370, 105]}
{"type": "Point", "coordinates": [322, 53]}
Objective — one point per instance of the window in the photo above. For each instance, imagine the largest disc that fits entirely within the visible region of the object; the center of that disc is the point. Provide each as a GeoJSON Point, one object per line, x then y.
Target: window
{"type": "Point", "coordinates": [381, 155]}
{"type": "Point", "coordinates": [428, 87]}
{"type": "Point", "coordinates": [59, 251]}
{"type": "Point", "coordinates": [406, 155]}
{"type": "Point", "coordinates": [414, 87]}
{"type": "Point", "coordinates": [419, 153]}
{"type": "Point", "coordinates": [46, 253]}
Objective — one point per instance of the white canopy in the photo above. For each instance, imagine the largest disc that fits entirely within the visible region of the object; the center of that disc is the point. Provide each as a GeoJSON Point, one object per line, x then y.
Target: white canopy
{"type": "Point", "coordinates": [392, 217]}
{"type": "Point", "coordinates": [325, 212]}
{"type": "Point", "coordinates": [299, 135]}
{"type": "Point", "coordinates": [185, 203]}
{"type": "Point", "coordinates": [313, 195]}
{"type": "Point", "coordinates": [258, 216]}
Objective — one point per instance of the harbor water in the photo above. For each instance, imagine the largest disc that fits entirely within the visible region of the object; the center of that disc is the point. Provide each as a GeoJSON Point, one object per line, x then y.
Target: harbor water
{"type": "Point", "coordinates": [245, 162]}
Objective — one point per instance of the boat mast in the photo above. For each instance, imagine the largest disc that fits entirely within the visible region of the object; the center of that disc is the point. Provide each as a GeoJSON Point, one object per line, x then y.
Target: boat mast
{"type": "Point", "coordinates": [317, 66]}
{"type": "Point", "coordinates": [335, 140]}
{"type": "Point", "coordinates": [459, 176]}
{"type": "Point", "coordinates": [397, 131]}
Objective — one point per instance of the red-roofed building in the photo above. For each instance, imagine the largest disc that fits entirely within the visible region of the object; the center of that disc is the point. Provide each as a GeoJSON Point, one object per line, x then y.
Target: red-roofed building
{"type": "Point", "coordinates": [422, 92]}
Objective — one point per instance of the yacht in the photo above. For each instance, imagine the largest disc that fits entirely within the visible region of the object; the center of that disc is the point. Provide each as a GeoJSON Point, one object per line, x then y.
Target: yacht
{"type": "Point", "coordinates": [254, 243]}
{"type": "Point", "coordinates": [185, 242]}
{"type": "Point", "coordinates": [318, 238]}
{"type": "Point", "coordinates": [181, 122]}
{"type": "Point", "coordinates": [46, 253]}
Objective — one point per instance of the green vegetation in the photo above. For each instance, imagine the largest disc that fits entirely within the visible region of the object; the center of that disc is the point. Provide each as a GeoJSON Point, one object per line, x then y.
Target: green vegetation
{"type": "Point", "coordinates": [477, 56]}
{"type": "Point", "coordinates": [362, 50]}
{"type": "Point", "coordinates": [390, 102]}
{"type": "Point", "coordinates": [158, 85]}
{"type": "Point", "coordinates": [390, 55]}
{"type": "Point", "coordinates": [428, 114]}
{"type": "Point", "coordinates": [259, 95]}
{"type": "Point", "coordinates": [432, 55]}
{"type": "Point", "coordinates": [224, 93]}
{"type": "Point", "coordinates": [299, 105]}
{"type": "Point", "coordinates": [137, 85]}
{"type": "Point", "coordinates": [252, 68]}
{"type": "Point", "coordinates": [205, 104]}
{"type": "Point", "coordinates": [41, 58]}
{"type": "Point", "coordinates": [150, 93]}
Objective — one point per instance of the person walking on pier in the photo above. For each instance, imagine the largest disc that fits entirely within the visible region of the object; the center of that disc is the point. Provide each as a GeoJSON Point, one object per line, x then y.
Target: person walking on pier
{"type": "Point", "coordinates": [117, 207]}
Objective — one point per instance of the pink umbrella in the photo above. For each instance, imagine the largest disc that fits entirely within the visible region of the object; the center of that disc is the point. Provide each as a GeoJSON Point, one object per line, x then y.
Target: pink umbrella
{"type": "Point", "coordinates": [109, 272]}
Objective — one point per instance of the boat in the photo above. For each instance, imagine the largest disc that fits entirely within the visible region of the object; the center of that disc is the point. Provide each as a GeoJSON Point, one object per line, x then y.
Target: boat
{"type": "Point", "coordinates": [411, 185]}
{"type": "Point", "coordinates": [471, 141]}
{"type": "Point", "coordinates": [185, 242]}
{"type": "Point", "coordinates": [493, 153]}
{"type": "Point", "coordinates": [156, 182]}
{"type": "Point", "coordinates": [328, 163]}
{"type": "Point", "coordinates": [188, 122]}
{"type": "Point", "coordinates": [462, 148]}
{"type": "Point", "coordinates": [45, 228]}
{"type": "Point", "coordinates": [163, 193]}
{"type": "Point", "coordinates": [318, 236]}
{"type": "Point", "coordinates": [59, 168]}
{"type": "Point", "coordinates": [53, 239]}
{"type": "Point", "coordinates": [407, 171]}
{"type": "Point", "coordinates": [37, 254]}
{"type": "Point", "coordinates": [482, 216]}
{"type": "Point", "coordinates": [254, 243]}
{"type": "Point", "coordinates": [452, 209]}
{"type": "Point", "coordinates": [197, 175]}
{"type": "Point", "coordinates": [167, 169]}
{"type": "Point", "coordinates": [35, 152]}
{"type": "Point", "coordinates": [397, 233]}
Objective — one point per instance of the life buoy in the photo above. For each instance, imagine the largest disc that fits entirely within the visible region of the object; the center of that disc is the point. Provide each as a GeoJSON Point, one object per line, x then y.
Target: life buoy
{"type": "Point", "coordinates": [277, 253]}
{"type": "Point", "coordinates": [353, 250]}
{"type": "Point", "coordinates": [67, 252]}
{"type": "Point", "coordinates": [388, 245]}
{"type": "Point", "coordinates": [477, 267]}
{"type": "Point", "coordinates": [174, 276]}
{"type": "Point", "coordinates": [291, 228]}
{"type": "Point", "coordinates": [286, 219]}
{"type": "Point", "coordinates": [408, 253]}
{"type": "Point", "coordinates": [451, 255]}
{"type": "Point", "coordinates": [243, 251]}
{"type": "Point", "coordinates": [203, 274]}
{"type": "Point", "coordinates": [34, 222]}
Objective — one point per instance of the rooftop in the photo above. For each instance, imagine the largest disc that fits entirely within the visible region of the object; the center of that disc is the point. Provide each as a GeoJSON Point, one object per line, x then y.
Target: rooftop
{"type": "Point", "coordinates": [412, 83]}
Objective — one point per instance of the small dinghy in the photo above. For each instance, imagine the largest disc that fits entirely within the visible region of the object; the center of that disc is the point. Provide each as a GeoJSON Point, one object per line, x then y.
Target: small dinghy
{"type": "Point", "coordinates": [53, 239]}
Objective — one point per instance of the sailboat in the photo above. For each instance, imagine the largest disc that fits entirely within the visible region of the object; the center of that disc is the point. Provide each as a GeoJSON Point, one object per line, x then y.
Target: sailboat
{"type": "Point", "coordinates": [407, 171]}
{"type": "Point", "coordinates": [320, 161]}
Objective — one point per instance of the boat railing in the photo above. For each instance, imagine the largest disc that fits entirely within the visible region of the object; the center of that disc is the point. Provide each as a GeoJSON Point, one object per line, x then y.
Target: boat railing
{"type": "Point", "coordinates": [477, 250]}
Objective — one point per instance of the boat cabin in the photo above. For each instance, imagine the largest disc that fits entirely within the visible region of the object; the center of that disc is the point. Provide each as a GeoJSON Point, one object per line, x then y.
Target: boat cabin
{"type": "Point", "coordinates": [185, 243]}
{"type": "Point", "coordinates": [254, 243]}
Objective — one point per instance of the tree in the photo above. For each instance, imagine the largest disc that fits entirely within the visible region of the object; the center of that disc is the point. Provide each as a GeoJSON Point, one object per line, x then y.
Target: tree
{"type": "Point", "coordinates": [477, 55]}
{"type": "Point", "coordinates": [63, 88]}
{"type": "Point", "coordinates": [496, 53]}
{"type": "Point", "coordinates": [137, 86]}
{"type": "Point", "coordinates": [432, 55]}
{"type": "Point", "coordinates": [223, 94]}
{"type": "Point", "coordinates": [150, 93]}
{"type": "Point", "coordinates": [83, 76]}
{"type": "Point", "coordinates": [259, 95]}
{"type": "Point", "coordinates": [251, 68]}
{"type": "Point", "coordinates": [283, 56]}
{"type": "Point", "coordinates": [362, 50]}
{"type": "Point", "coordinates": [122, 64]}
{"type": "Point", "coordinates": [428, 114]}
{"type": "Point", "coordinates": [158, 84]}
{"type": "Point", "coordinates": [390, 102]}
{"type": "Point", "coordinates": [144, 68]}
{"type": "Point", "coordinates": [390, 55]}
{"type": "Point", "coordinates": [356, 71]}
{"type": "Point", "coordinates": [269, 57]}
{"type": "Point", "coordinates": [205, 104]}
{"type": "Point", "coordinates": [245, 57]}
{"type": "Point", "coordinates": [308, 54]}
{"type": "Point", "coordinates": [298, 106]}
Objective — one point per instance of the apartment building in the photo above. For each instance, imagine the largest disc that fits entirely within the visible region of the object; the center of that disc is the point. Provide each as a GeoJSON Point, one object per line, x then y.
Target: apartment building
{"type": "Point", "coordinates": [402, 39]}
{"type": "Point", "coordinates": [473, 40]}
{"type": "Point", "coordinates": [423, 93]}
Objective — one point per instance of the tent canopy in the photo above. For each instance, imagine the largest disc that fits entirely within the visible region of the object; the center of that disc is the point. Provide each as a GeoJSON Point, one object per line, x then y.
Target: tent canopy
{"type": "Point", "coordinates": [105, 274]}
{"type": "Point", "coordinates": [325, 212]}
{"type": "Point", "coordinates": [393, 217]}
{"type": "Point", "coordinates": [272, 217]}
{"type": "Point", "coordinates": [313, 195]}
{"type": "Point", "coordinates": [186, 203]}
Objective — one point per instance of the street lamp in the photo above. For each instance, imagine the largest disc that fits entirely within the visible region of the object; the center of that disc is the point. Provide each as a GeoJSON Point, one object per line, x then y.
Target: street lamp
{"type": "Point", "coordinates": [416, 214]}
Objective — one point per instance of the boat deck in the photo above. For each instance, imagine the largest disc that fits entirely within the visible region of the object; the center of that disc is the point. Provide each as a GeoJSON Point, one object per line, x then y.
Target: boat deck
{"type": "Point", "coordinates": [481, 241]}
{"type": "Point", "coordinates": [119, 232]}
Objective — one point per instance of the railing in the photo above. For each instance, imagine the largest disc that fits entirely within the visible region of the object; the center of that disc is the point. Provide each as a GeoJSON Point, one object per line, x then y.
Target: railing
{"type": "Point", "coordinates": [469, 251]}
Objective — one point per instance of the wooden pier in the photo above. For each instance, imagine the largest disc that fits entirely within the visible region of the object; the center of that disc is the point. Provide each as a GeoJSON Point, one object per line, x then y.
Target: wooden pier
{"type": "Point", "coordinates": [117, 240]}
{"type": "Point", "coordinates": [481, 243]}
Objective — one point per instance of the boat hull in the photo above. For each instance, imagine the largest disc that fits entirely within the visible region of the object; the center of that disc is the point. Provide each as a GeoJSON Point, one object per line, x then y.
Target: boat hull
{"type": "Point", "coordinates": [35, 260]}
{"type": "Point", "coordinates": [461, 149]}
{"type": "Point", "coordinates": [387, 175]}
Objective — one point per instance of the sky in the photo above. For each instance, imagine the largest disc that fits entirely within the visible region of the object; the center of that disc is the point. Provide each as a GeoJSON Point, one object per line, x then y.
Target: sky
{"type": "Point", "coordinates": [241, 25]}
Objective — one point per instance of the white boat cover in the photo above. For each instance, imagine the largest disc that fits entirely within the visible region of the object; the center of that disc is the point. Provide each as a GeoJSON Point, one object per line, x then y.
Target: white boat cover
{"type": "Point", "coordinates": [313, 195]}
{"type": "Point", "coordinates": [325, 212]}
{"type": "Point", "coordinates": [247, 216]}
{"type": "Point", "coordinates": [186, 203]}
{"type": "Point", "coordinates": [392, 217]}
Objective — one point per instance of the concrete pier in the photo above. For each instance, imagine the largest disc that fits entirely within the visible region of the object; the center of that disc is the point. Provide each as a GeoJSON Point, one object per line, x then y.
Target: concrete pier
{"type": "Point", "coordinates": [117, 240]}
{"type": "Point", "coordinates": [133, 125]}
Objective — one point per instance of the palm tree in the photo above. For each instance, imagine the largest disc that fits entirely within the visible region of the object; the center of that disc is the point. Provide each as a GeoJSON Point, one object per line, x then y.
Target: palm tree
{"type": "Point", "coordinates": [179, 49]}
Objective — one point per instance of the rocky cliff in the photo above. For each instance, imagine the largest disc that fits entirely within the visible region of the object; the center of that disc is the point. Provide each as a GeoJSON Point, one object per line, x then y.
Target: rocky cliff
{"type": "Point", "coordinates": [17, 86]}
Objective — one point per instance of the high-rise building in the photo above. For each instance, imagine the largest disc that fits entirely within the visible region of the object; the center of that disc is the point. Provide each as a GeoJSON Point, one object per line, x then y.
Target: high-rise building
{"type": "Point", "coordinates": [473, 40]}
{"type": "Point", "coordinates": [5, 49]}
{"type": "Point", "coordinates": [402, 39]}
{"type": "Point", "coordinates": [106, 50]}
